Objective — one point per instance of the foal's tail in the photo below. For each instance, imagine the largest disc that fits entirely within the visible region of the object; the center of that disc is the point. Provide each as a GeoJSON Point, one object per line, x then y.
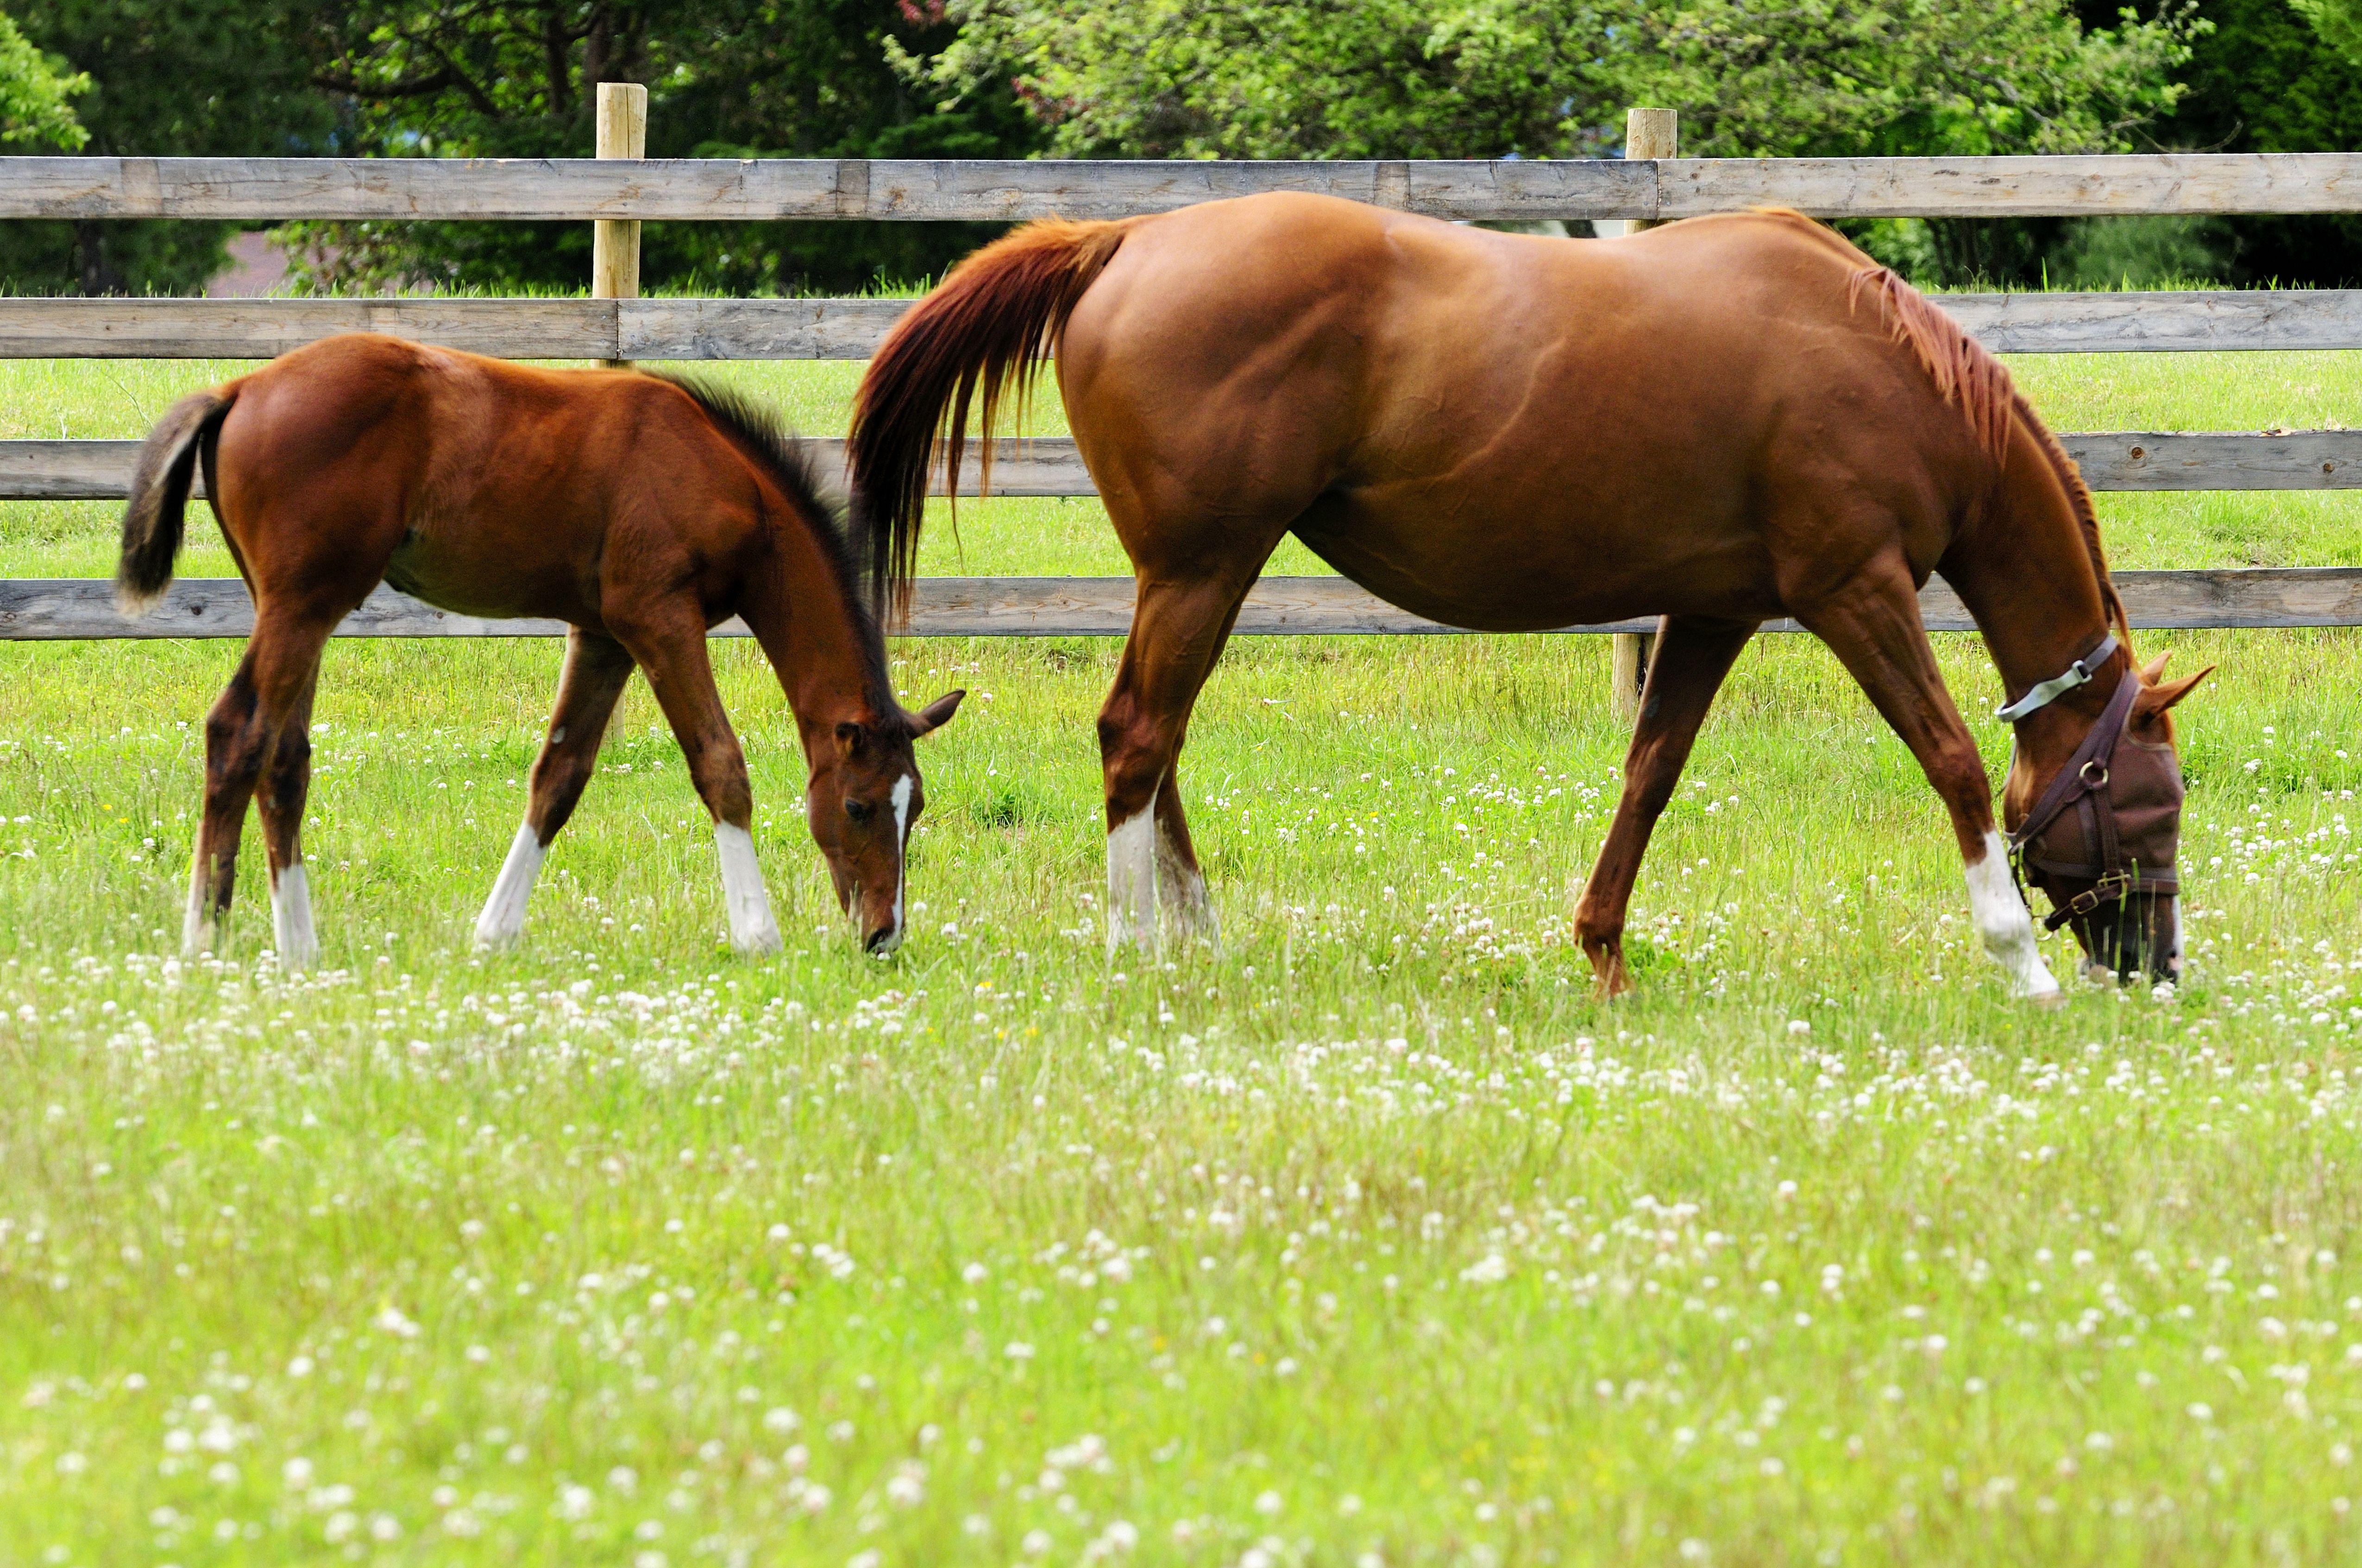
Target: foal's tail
{"type": "Point", "coordinates": [159, 490]}
{"type": "Point", "coordinates": [986, 328]}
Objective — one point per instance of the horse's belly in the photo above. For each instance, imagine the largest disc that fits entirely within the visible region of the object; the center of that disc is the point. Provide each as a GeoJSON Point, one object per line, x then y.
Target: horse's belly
{"type": "Point", "coordinates": [445, 574]}
{"type": "Point", "coordinates": [1539, 570]}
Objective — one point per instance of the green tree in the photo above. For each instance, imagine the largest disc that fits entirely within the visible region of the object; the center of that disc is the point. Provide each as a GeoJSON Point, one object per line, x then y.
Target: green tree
{"type": "Point", "coordinates": [167, 77]}
{"type": "Point", "coordinates": [34, 89]}
{"type": "Point", "coordinates": [1552, 78]}
{"type": "Point", "coordinates": [2339, 23]}
{"type": "Point", "coordinates": [727, 78]}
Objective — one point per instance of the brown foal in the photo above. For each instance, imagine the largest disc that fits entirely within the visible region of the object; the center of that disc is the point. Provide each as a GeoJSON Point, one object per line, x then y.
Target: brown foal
{"type": "Point", "coordinates": [1720, 421]}
{"type": "Point", "coordinates": [637, 509]}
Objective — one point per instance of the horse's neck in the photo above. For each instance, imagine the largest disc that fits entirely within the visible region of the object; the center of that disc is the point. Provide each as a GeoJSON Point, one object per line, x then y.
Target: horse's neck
{"type": "Point", "coordinates": [2027, 575]}
{"type": "Point", "coordinates": [799, 611]}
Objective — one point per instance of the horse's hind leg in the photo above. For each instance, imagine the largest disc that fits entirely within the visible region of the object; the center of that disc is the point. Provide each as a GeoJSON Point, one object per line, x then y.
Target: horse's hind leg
{"type": "Point", "coordinates": [682, 673]}
{"type": "Point", "coordinates": [597, 669]}
{"type": "Point", "coordinates": [242, 734]}
{"type": "Point", "coordinates": [1872, 624]}
{"type": "Point", "coordinates": [1692, 657]}
{"type": "Point", "coordinates": [279, 799]}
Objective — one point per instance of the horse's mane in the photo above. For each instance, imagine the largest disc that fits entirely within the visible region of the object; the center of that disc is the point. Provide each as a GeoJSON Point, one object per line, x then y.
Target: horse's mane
{"type": "Point", "coordinates": [1963, 369]}
{"type": "Point", "coordinates": [755, 429]}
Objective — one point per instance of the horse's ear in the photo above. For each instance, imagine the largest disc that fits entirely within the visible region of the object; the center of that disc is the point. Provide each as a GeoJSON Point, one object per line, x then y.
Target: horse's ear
{"type": "Point", "coordinates": [935, 714]}
{"type": "Point", "coordinates": [2165, 694]}
{"type": "Point", "coordinates": [2153, 670]}
{"type": "Point", "coordinates": [848, 739]}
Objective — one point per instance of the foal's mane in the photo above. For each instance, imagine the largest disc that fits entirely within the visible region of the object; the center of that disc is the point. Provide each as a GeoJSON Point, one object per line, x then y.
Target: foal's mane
{"type": "Point", "coordinates": [1965, 369]}
{"type": "Point", "coordinates": [755, 428]}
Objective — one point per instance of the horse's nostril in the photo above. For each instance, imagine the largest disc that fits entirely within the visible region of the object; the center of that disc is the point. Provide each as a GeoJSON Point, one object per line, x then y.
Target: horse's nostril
{"type": "Point", "coordinates": [882, 939]}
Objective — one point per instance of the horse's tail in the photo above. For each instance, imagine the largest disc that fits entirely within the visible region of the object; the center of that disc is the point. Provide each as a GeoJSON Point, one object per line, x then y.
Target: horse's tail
{"type": "Point", "coordinates": [159, 490]}
{"type": "Point", "coordinates": [986, 328]}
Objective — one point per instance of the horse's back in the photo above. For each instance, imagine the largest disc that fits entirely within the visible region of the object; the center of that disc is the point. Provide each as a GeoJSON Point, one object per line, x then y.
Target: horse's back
{"type": "Point", "coordinates": [1494, 429]}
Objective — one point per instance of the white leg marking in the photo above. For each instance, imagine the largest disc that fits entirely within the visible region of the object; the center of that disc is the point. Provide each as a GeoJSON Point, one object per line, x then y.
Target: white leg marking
{"type": "Point", "coordinates": [1132, 879]}
{"type": "Point", "coordinates": [193, 922]}
{"type": "Point", "coordinates": [291, 920]}
{"type": "Point", "coordinates": [752, 929]}
{"type": "Point", "coordinates": [502, 921]}
{"type": "Point", "coordinates": [1181, 889]}
{"type": "Point", "coordinates": [902, 798]}
{"type": "Point", "coordinates": [2001, 918]}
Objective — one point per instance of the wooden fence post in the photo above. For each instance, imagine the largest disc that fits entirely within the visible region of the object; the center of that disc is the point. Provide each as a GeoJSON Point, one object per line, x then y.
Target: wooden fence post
{"type": "Point", "coordinates": [1648, 132]}
{"type": "Point", "coordinates": [616, 243]}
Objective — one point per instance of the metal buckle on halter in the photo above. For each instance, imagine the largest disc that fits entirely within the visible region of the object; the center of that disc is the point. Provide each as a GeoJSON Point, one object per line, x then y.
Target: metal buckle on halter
{"type": "Point", "coordinates": [2107, 889]}
{"type": "Point", "coordinates": [2044, 692]}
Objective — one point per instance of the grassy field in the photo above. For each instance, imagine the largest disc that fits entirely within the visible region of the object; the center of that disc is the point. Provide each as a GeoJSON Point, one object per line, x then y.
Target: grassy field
{"type": "Point", "coordinates": [1366, 1238]}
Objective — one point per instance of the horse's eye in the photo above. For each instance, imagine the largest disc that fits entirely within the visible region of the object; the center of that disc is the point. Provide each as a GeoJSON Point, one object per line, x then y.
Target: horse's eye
{"type": "Point", "coordinates": [859, 810]}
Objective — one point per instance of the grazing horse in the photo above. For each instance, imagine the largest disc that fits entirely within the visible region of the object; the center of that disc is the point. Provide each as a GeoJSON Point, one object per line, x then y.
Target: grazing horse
{"type": "Point", "coordinates": [1720, 421]}
{"type": "Point", "coordinates": [638, 509]}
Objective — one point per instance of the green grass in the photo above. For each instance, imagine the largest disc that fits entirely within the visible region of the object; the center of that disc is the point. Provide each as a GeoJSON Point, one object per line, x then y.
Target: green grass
{"type": "Point", "coordinates": [1368, 1232]}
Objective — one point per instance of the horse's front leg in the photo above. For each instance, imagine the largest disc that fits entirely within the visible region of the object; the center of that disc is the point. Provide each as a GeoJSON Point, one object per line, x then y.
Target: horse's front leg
{"type": "Point", "coordinates": [597, 669]}
{"type": "Point", "coordinates": [1872, 626]}
{"type": "Point", "coordinates": [1692, 659]}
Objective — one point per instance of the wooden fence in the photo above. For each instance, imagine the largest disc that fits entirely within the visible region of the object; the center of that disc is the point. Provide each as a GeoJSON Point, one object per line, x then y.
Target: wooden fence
{"type": "Point", "coordinates": [616, 191]}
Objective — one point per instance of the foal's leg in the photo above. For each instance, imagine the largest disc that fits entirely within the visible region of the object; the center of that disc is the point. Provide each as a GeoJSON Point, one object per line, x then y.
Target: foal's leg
{"type": "Point", "coordinates": [1177, 631]}
{"type": "Point", "coordinates": [282, 660]}
{"type": "Point", "coordinates": [1872, 624]}
{"type": "Point", "coordinates": [279, 799]}
{"type": "Point", "coordinates": [1692, 659]}
{"type": "Point", "coordinates": [596, 670]}
{"type": "Point", "coordinates": [673, 654]}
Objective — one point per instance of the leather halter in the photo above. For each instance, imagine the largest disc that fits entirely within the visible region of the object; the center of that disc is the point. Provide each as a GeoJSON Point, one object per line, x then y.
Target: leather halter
{"type": "Point", "coordinates": [2082, 786]}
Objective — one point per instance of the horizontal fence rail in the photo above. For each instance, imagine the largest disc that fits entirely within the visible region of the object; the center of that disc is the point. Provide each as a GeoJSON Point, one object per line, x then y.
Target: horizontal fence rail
{"type": "Point", "coordinates": [61, 608]}
{"type": "Point", "coordinates": [853, 328]}
{"type": "Point", "coordinates": [1049, 465]}
{"type": "Point", "coordinates": [252, 189]}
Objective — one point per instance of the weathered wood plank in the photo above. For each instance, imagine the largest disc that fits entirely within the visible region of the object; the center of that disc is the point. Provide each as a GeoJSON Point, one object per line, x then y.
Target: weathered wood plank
{"type": "Point", "coordinates": [261, 329]}
{"type": "Point", "coordinates": [574, 189]}
{"type": "Point", "coordinates": [101, 470]}
{"type": "Point", "coordinates": [759, 329]}
{"type": "Point", "coordinates": [2016, 187]}
{"type": "Point", "coordinates": [2110, 460]}
{"type": "Point", "coordinates": [852, 328]}
{"type": "Point", "coordinates": [2151, 322]}
{"type": "Point", "coordinates": [79, 608]}
{"type": "Point", "coordinates": [2196, 459]}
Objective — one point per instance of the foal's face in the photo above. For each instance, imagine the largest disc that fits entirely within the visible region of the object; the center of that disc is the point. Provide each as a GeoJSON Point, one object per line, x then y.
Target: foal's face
{"type": "Point", "coordinates": [2127, 937]}
{"type": "Point", "coordinates": [864, 798]}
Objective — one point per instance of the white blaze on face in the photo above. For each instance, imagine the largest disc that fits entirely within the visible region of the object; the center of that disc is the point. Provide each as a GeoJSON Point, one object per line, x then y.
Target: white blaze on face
{"type": "Point", "coordinates": [502, 921]}
{"type": "Point", "coordinates": [903, 788]}
{"type": "Point", "coordinates": [291, 920]}
{"type": "Point", "coordinates": [752, 929]}
{"type": "Point", "coordinates": [2001, 919]}
{"type": "Point", "coordinates": [1132, 879]}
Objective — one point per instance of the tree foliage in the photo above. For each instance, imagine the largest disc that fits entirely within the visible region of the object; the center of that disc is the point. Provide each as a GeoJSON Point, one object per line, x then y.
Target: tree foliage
{"type": "Point", "coordinates": [36, 113]}
{"type": "Point", "coordinates": [1551, 78]}
{"type": "Point", "coordinates": [727, 79]}
{"type": "Point", "coordinates": [2339, 23]}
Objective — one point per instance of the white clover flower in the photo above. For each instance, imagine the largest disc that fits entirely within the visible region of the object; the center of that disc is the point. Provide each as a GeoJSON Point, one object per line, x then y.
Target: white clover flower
{"type": "Point", "coordinates": [781, 1419]}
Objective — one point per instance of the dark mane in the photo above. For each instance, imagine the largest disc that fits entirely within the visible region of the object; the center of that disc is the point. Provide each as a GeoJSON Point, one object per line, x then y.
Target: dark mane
{"type": "Point", "coordinates": [755, 429]}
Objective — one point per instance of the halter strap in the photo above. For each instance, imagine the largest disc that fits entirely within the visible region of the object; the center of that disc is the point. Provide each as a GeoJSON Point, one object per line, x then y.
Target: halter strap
{"type": "Point", "coordinates": [2044, 692]}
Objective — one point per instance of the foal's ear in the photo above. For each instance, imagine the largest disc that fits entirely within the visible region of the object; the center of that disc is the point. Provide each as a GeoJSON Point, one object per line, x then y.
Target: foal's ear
{"type": "Point", "coordinates": [935, 714]}
{"type": "Point", "coordinates": [849, 737]}
{"type": "Point", "coordinates": [2153, 670]}
{"type": "Point", "coordinates": [2156, 698]}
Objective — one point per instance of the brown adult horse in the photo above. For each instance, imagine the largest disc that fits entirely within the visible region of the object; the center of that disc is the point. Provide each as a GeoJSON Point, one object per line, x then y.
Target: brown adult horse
{"type": "Point", "coordinates": [638, 509]}
{"type": "Point", "coordinates": [1721, 420]}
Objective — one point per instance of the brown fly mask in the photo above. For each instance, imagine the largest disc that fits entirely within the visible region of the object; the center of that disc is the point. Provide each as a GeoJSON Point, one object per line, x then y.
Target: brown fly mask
{"type": "Point", "coordinates": [2101, 836]}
